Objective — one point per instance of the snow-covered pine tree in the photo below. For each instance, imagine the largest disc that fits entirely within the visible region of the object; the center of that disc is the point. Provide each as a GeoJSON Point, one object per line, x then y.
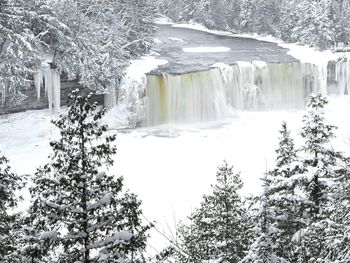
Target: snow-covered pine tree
{"type": "Point", "coordinates": [325, 167]}
{"type": "Point", "coordinates": [229, 218]}
{"type": "Point", "coordinates": [320, 159]}
{"type": "Point", "coordinates": [267, 16]}
{"type": "Point", "coordinates": [18, 57]}
{"type": "Point", "coordinates": [336, 227]}
{"type": "Point", "coordinates": [10, 183]}
{"type": "Point", "coordinates": [81, 209]}
{"type": "Point", "coordinates": [286, 194]}
{"type": "Point", "coordinates": [219, 228]}
{"type": "Point", "coordinates": [264, 249]}
{"type": "Point", "coordinates": [103, 37]}
{"type": "Point", "coordinates": [338, 236]}
{"type": "Point", "coordinates": [30, 246]}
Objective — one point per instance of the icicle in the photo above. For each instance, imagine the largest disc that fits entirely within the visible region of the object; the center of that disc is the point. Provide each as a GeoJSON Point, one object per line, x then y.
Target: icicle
{"type": "Point", "coordinates": [38, 82]}
{"type": "Point", "coordinates": [56, 90]}
{"type": "Point", "coordinates": [48, 83]}
{"type": "Point", "coordinates": [52, 85]}
{"type": "Point", "coordinates": [110, 99]}
{"type": "Point", "coordinates": [3, 93]}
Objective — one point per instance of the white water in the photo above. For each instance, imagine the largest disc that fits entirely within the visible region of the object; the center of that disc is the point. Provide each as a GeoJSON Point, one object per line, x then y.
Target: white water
{"type": "Point", "coordinates": [207, 95]}
{"type": "Point", "coordinates": [213, 94]}
{"type": "Point", "coordinates": [190, 97]}
{"type": "Point", "coordinates": [342, 77]}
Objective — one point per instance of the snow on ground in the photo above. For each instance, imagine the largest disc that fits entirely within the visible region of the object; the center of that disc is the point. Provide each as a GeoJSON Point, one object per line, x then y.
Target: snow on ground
{"type": "Point", "coordinates": [304, 53]}
{"type": "Point", "coordinates": [163, 21]}
{"type": "Point", "coordinates": [206, 49]}
{"type": "Point", "coordinates": [130, 107]}
{"type": "Point", "coordinates": [175, 39]}
{"type": "Point", "coordinates": [200, 27]}
{"type": "Point", "coordinates": [171, 167]}
{"type": "Point", "coordinates": [139, 67]}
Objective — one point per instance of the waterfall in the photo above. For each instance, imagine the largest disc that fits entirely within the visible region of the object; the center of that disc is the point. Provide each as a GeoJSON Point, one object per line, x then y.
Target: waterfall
{"type": "Point", "coordinates": [342, 77]}
{"type": "Point", "coordinates": [212, 94]}
{"type": "Point", "coordinates": [190, 97]}
{"type": "Point", "coordinates": [338, 77]}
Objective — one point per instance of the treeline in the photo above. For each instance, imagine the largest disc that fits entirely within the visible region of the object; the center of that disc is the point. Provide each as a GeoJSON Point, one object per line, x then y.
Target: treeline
{"type": "Point", "coordinates": [78, 212]}
{"type": "Point", "coordinates": [302, 215]}
{"type": "Point", "coordinates": [320, 23]}
{"type": "Point", "coordinates": [91, 41]}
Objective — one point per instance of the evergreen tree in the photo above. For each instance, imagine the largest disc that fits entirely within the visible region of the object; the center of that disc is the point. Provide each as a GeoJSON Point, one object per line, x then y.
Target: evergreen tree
{"type": "Point", "coordinates": [248, 10]}
{"type": "Point", "coordinates": [337, 234]}
{"type": "Point", "coordinates": [314, 22]}
{"type": "Point", "coordinates": [31, 245]}
{"type": "Point", "coordinates": [320, 157]}
{"type": "Point", "coordinates": [18, 57]}
{"type": "Point", "coordinates": [219, 228]}
{"type": "Point", "coordinates": [264, 249]}
{"type": "Point", "coordinates": [87, 40]}
{"type": "Point", "coordinates": [76, 205]}
{"type": "Point", "coordinates": [10, 183]}
{"type": "Point", "coordinates": [267, 16]}
{"type": "Point", "coordinates": [103, 37]}
{"type": "Point", "coordinates": [325, 169]}
{"type": "Point", "coordinates": [286, 194]}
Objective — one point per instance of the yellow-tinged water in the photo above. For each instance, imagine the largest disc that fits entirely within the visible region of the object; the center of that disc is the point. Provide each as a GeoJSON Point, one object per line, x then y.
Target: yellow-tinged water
{"type": "Point", "coordinates": [211, 94]}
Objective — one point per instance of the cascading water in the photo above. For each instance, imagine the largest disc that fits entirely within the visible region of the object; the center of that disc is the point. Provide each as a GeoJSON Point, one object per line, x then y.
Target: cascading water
{"type": "Point", "coordinates": [342, 77]}
{"type": "Point", "coordinates": [211, 94]}
{"type": "Point", "coordinates": [188, 97]}
{"type": "Point", "coordinates": [338, 77]}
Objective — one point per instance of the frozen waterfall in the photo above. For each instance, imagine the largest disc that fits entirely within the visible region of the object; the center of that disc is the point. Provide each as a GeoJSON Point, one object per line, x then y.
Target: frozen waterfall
{"type": "Point", "coordinates": [49, 79]}
{"type": "Point", "coordinates": [212, 94]}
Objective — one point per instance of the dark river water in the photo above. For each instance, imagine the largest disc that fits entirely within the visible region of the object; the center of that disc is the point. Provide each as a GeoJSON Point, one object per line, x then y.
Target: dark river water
{"type": "Point", "coordinates": [241, 49]}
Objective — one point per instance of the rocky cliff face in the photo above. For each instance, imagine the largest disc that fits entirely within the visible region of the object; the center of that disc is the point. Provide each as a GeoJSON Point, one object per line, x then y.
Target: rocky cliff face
{"type": "Point", "coordinates": [30, 100]}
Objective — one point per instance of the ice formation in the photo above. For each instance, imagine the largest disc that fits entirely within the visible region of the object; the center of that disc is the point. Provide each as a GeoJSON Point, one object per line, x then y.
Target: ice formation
{"type": "Point", "coordinates": [3, 93]}
{"type": "Point", "coordinates": [49, 79]}
{"type": "Point", "coordinates": [110, 99]}
{"type": "Point", "coordinates": [206, 49]}
{"type": "Point", "coordinates": [212, 94]}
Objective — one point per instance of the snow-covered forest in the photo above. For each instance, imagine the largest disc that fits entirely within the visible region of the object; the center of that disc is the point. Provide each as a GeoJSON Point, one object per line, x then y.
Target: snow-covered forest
{"type": "Point", "coordinates": [90, 184]}
{"type": "Point", "coordinates": [92, 41]}
{"type": "Point", "coordinates": [321, 23]}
